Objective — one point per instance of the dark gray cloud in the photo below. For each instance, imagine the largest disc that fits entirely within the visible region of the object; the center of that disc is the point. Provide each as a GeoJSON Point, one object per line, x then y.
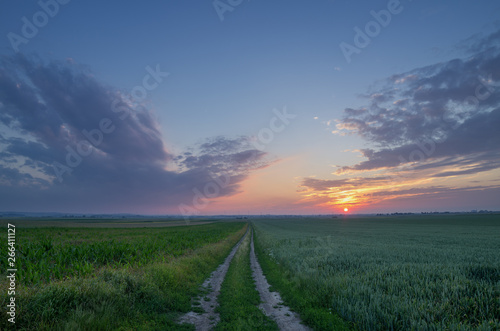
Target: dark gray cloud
{"type": "Point", "coordinates": [71, 143]}
{"type": "Point", "coordinates": [476, 141]}
{"type": "Point", "coordinates": [447, 110]}
{"type": "Point", "coordinates": [221, 155]}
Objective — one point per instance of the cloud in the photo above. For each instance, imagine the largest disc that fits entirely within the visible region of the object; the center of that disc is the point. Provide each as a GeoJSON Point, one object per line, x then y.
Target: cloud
{"type": "Point", "coordinates": [327, 185]}
{"type": "Point", "coordinates": [476, 140]}
{"type": "Point", "coordinates": [435, 122]}
{"type": "Point", "coordinates": [70, 143]}
{"type": "Point", "coordinates": [221, 155]}
{"type": "Point", "coordinates": [429, 100]}
{"type": "Point", "coordinates": [454, 106]}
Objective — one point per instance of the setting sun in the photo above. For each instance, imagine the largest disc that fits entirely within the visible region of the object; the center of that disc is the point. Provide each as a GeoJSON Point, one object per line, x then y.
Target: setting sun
{"type": "Point", "coordinates": [346, 209]}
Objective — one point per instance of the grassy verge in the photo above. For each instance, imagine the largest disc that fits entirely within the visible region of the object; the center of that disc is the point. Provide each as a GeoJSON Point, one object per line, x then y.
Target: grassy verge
{"type": "Point", "coordinates": [239, 298]}
{"type": "Point", "coordinates": [146, 297]}
{"type": "Point", "coordinates": [314, 309]}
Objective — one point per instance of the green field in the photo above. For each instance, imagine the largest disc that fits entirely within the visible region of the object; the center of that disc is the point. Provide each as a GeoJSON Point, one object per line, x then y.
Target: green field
{"type": "Point", "coordinates": [380, 273]}
{"type": "Point", "coordinates": [47, 254]}
{"type": "Point", "coordinates": [114, 278]}
{"type": "Point", "coordinates": [430, 272]}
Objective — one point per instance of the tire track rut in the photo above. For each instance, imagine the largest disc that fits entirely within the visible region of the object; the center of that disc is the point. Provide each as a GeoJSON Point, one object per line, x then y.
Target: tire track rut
{"type": "Point", "coordinates": [272, 304]}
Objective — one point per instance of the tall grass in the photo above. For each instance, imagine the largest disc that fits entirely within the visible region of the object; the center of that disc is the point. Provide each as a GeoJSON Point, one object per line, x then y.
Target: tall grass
{"type": "Point", "coordinates": [47, 254]}
{"type": "Point", "coordinates": [120, 295]}
{"type": "Point", "coordinates": [395, 273]}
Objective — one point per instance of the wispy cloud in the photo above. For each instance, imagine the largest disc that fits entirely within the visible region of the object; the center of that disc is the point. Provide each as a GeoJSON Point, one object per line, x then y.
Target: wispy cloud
{"type": "Point", "coordinates": [52, 109]}
{"type": "Point", "coordinates": [223, 156]}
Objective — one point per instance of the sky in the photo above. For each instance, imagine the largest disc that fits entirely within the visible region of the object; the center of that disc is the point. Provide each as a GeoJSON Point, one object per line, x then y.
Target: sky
{"type": "Point", "coordinates": [249, 107]}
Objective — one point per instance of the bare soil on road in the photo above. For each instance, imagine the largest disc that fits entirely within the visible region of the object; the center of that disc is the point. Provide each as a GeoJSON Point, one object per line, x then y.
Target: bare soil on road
{"type": "Point", "coordinates": [272, 305]}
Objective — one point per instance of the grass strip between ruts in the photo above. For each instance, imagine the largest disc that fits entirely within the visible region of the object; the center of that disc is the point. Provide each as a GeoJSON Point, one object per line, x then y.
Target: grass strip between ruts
{"type": "Point", "coordinates": [239, 298]}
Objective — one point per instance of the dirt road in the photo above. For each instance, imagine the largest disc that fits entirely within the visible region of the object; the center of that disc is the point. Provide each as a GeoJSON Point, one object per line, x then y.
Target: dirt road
{"type": "Point", "coordinates": [271, 305]}
{"type": "Point", "coordinates": [207, 320]}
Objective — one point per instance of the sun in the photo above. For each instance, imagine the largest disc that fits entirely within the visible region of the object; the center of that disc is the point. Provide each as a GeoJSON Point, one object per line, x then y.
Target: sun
{"type": "Point", "coordinates": [346, 209]}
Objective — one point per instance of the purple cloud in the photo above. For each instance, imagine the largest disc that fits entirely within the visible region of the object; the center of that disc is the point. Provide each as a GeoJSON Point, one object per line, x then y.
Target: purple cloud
{"type": "Point", "coordinates": [221, 155]}
{"type": "Point", "coordinates": [70, 143]}
{"type": "Point", "coordinates": [449, 109]}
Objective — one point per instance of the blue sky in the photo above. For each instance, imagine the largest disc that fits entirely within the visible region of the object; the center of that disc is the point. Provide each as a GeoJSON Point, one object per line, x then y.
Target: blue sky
{"type": "Point", "coordinates": [225, 79]}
